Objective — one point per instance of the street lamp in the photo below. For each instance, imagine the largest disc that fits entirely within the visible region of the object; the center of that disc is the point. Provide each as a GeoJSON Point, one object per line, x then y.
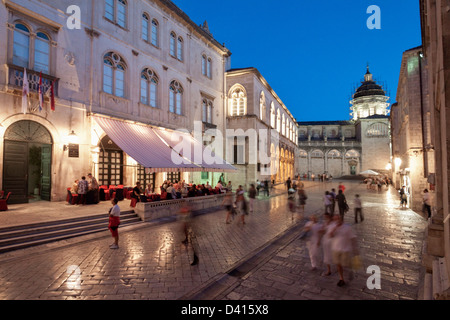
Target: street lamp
{"type": "Point", "coordinates": [398, 163]}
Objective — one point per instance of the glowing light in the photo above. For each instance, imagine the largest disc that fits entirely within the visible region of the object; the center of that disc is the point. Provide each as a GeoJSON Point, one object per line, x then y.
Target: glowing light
{"type": "Point", "coordinates": [398, 162]}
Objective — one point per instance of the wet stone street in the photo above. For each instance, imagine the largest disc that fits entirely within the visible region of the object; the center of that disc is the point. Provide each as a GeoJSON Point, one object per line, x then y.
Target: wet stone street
{"type": "Point", "coordinates": [263, 259]}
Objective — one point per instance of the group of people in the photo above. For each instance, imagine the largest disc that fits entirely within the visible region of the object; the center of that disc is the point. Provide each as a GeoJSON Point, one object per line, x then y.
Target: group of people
{"type": "Point", "coordinates": [377, 183]}
{"type": "Point", "coordinates": [330, 199]}
{"type": "Point", "coordinates": [86, 190]}
{"type": "Point", "coordinates": [240, 205]}
{"type": "Point", "coordinates": [333, 240]}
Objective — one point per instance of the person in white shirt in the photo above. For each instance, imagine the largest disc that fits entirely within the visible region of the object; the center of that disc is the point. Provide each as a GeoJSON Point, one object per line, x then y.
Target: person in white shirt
{"type": "Point", "coordinates": [343, 246]}
{"type": "Point", "coordinates": [358, 208]}
{"type": "Point", "coordinates": [114, 222]}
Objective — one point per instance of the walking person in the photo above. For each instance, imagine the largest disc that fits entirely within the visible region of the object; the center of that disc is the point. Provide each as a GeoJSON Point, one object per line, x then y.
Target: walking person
{"type": "Point", "coordinates": [313, 243]}
{"type": "Point", "coordinates": [427, 202]}
{"type": "Point", "coordinates": [302, 197]}
{"type": "Point", "coordinates": [114, 222]}
{"type": "Point", "coordinates": [328, 226]}
{"type": "Point", "coordinates": [241, 203]}
{"type": "Point", "coordinates": [333, 201]}
{"type": "Point", "coordinates": [228, 204]}
{"type": "Point", "coordinates": [327, 202]}
{"type": "Point", "coordinates": [342, 203]}
{"type": "Point", "coordinates": [403, 198]}
{"type": "Point", "coordinates": [344, 247]}
{"type": "Point", "coordinates": [251, 197]}
{"type": "Point", "coordinates": [358, 208]}
{"type": "Point", "coordinates": [187, 228]}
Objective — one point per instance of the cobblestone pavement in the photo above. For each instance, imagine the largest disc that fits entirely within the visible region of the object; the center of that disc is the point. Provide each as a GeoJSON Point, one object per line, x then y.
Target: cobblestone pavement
{"type": "Point", "coordinates": [153, 264]}
{"type": "Point", "coordinates": [389, 237]}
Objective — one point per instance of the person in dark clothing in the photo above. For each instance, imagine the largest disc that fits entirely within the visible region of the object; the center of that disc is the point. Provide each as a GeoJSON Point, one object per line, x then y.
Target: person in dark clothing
{"type": "Point", "coordinates": [342, 203]}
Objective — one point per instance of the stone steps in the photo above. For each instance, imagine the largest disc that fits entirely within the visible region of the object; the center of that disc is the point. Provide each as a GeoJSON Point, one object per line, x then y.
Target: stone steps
{"type": "Point", "coordinates": [20, 237]}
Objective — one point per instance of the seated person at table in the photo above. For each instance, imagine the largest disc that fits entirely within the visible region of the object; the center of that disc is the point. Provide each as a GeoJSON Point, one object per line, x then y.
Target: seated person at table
{"type": "Point", "coordinates": [136, 194]}
{"type": "Point", "coordinates": [169, 191]}
{"type": "Point", "coordinates": [148, 191]}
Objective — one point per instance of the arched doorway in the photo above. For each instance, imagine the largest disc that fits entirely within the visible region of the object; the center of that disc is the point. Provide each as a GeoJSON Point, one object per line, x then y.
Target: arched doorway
{"type": "Point", "coordinates": [27, 161]}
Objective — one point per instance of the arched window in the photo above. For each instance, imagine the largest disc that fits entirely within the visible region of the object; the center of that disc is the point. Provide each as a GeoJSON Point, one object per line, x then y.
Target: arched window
{"type": "Point", "coordinates": [21, 46]}
{"type": "Point", "coordinates": [317, 154]}
{"type": "Point", "coordinates": [149, 87]}
{"type": "Point", "coordinates": [378, 130]}
{"type": "Point", "coordinates": [114, 74]}
{"type": "Point", "coordinates": [238, 102]}
{"type": "Point", "coordinates": [302, 153]}
{"type": "Point", "coordinates": [155, 33]}
{"type": "Point", "coordinates": [272, 116]}
{"type": "Point", "coordinates": [42, 53]}
{"type": "Point", "coordinates": [278, 121]}
{"type": "Point", "coordinates": [176, 97]}
{"type": "Point", "coordinates": [333, 154]}
{"type": "Point", "coordinates": [262, 107]}
{"type": "Point", "coordinates": [352, 154]}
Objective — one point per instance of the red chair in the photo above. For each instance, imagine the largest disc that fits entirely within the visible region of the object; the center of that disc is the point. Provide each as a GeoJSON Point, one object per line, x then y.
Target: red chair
{"type": "Point", "coordinates": [4, 203]}
{"type": "Point", "coordinates": [133, 202]}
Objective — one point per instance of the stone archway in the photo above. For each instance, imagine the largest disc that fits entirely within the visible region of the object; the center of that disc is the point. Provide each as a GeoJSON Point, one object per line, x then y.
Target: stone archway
{"type": "Point", "coordinates": [27, 160]}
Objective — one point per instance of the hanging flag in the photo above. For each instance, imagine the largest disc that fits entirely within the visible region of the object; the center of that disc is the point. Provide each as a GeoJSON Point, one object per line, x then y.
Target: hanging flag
{"type": "Point", "coordinates": [52, 96]}
{"type": "Point", "coordinates": [41, 93]}
{"type": "Point", "coordinates": [25, 92]}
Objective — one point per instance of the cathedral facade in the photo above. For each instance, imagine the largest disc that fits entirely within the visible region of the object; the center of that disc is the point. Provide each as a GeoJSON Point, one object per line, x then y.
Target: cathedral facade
{"type": "Point", "coordinates": [342, 148]}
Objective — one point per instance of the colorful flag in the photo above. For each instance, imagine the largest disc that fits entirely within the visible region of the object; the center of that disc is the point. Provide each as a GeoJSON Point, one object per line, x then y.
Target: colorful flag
{"type": "Point", "coordinates": [52, 96]}
{"type": "Point", "coordinates": [41, 93]}
{"type": "Point", "coordinates": [25, 92]}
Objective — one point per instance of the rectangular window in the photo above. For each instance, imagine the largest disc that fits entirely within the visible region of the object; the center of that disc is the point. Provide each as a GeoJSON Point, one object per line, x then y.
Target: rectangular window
{"type": "Point", "coordinates": [153, 94]}
{"type": "Point", "coordinates": [122, 14]}
{"type": "Point", "coordinates": [120, 83]}
{"type": "Point", "coordinates": [109, 9]}
{"type": "Point", "coordinates": [108, 80]}
{"type": "Point", "coordinates": [154, 34]}
{"type": "Point", "coordinates": [144, 93]}
{"type": "Point", "coordinates": [179, 103]}
{"type": "Point", "coordinates": [144, 29]}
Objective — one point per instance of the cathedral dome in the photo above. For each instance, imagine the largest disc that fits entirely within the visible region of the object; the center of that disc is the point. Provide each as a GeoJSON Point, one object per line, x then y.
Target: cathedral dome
{"type": "Point", "coordinates": [369, 87]}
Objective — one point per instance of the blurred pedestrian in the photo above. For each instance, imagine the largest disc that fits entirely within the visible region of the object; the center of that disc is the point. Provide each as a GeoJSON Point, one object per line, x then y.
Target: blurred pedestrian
{"type": "Point", "coordinates": [114, 222]}
{"type": "Point", "coordinates": [313, 227]}
{"type": "Point", "coordinates": [343, 246]}
{"type": "Point", "coordinates": [328, 226]}
{"type": "Point", "coordinates": [302, 197]}
{"type": "Point", "coordinates": [241, 203]}
{"type": "Point", "coordinates": [333, 201]}
{"type": "Point", "coordinates": [251, 197]}
{"type": "Point", "coordinates": [358, 208]}
{"type": "Point", "coordinates": [187, 228]}
{"type": "Point", "coordinates": [228, 204]}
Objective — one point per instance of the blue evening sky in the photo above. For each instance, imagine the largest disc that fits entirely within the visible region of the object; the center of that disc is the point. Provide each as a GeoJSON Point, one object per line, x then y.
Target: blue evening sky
{"type": "Point", "coordinates": [313, 53]}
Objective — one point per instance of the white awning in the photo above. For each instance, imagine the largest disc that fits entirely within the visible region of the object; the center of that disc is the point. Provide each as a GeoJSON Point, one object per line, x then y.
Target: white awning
{"type": "Point", "coordinates": [154, 149]}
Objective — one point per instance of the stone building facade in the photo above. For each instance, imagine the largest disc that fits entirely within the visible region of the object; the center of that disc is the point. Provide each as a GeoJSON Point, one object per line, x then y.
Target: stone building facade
{"type": "Point", "coordinates": [137, 61]}
{"type": "Point", "coordinates": [411, 130]}
{"type": "Point", "coordinates": [341, 148]}
{"type": "Point", "coordinates": [266, 133]}
{"type": "Point", "coordinates": [435, 22]}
